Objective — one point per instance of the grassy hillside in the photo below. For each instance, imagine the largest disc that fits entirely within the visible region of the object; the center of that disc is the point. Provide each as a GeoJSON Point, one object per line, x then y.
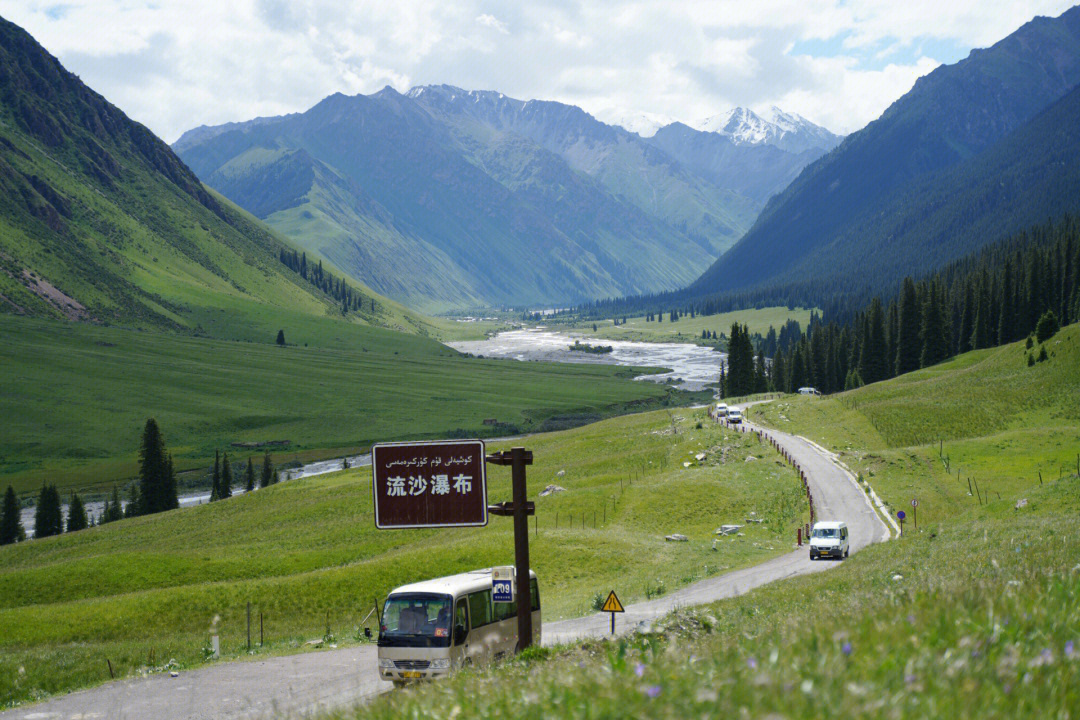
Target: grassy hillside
{"type": "Point", "coordinates": [100, 221]}
{"type": "Point", "coordinates": [972, 615]}
{"type": "Point", "coordinates": [994, 419]}
{"type": "Point", "coordinates": [306, 552]}
{"type": "Point", "coordinates": [75, 396]}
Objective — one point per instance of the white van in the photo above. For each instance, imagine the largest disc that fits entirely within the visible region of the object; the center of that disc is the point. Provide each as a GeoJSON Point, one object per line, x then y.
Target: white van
{"type": "Point", "coordinates": [734, 415]}
{"type": "Point", "coordinates": [429, 628]}
{"type": "Point", "coordinates": [721, 410]}
{"type": "Point", "coordinates": [829, 539]}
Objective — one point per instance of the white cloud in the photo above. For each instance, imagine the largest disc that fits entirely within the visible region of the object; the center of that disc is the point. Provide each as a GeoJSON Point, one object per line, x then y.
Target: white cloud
{"type": "Point", "coordinates": [492, 22]}
{"type": "Point", "coordinates": [176, 64]}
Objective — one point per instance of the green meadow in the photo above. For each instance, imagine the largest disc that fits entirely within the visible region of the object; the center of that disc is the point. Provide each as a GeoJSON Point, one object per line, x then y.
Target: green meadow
{"type": "Point", "coordinates": [75, 396]}
{"type": "Point", "coordinates": [688, 329]}
{"type": "Point", "coordinates": [306, 553]}
{"type": "Point", "coordinates": [985, 416]}
{"type": "Point", "coordinates": [974, 614]}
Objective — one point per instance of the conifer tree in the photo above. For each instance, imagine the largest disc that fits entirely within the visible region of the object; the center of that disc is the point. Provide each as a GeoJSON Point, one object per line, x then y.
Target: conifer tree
{"type": "Point", "coordinates": [11, 529]}
{"type": "Point", "coordinates": [215, 480]}
{"type": "Point", "coordinates": [1047, 327]}
{"type": "Point", "coordinates": [1006, 328]}
{"type": "Point", "coordinates": [226, 477]}
{"type": "Point", "coordinates": [935, 345]}
{"type": "Point", "coordinates": [48, 516]}
{"type": "Point", "coordinates": [76, 519]}
{"type": "Point", "coordinates": [908, 347]}
{"type": "Point", "coordinates": [114, 509]}
{"type": "Point", "coordinates": [280, 337]}
{"type": "Point", "coordinates": [133, 502]}
{"type": "Point", "coordinates": [154, 482]}
{"type": "Point", "coordinates": [268, 476]}
{"type": "Point", "coordinates": [873, 362]}
{"type": "Point", "coordinates": [172, 499]}
{"type": "Point", "coordinates": [967, 315]}
{"type": "Point", "coordinates": [249, 476]}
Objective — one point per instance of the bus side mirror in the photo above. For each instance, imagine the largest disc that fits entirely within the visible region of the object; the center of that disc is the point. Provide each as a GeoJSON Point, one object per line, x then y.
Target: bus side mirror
{"type": "Point", "coordinates": [459, 634]}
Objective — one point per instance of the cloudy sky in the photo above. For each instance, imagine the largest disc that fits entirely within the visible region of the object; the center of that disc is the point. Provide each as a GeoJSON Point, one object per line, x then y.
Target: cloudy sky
{"type": "Point", "coordinates": [175, 65]}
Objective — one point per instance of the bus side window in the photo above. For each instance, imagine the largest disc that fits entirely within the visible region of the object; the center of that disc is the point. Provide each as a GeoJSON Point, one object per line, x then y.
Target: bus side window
{"type": "Point", "coordinates": [534, 590]}
{"type": "Point", "coordinates": [505, 611]}
{"type": "Point", "coordinates": [480, 608]}
{"type": "Point", "coordinates": [461, 618]}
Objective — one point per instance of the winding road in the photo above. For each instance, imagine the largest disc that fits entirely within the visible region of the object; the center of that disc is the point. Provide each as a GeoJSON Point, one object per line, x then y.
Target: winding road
{"type": "Point", "coordinates": [301, 685]}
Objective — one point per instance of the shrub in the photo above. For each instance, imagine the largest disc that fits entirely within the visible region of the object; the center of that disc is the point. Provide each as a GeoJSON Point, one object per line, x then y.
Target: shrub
{"type": "Point", "coordinates": [1047, 327]}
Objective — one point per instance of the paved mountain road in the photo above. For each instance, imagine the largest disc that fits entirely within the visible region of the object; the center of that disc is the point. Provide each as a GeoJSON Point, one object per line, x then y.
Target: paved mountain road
{"type": "Point", "coordinates": [301, 685]}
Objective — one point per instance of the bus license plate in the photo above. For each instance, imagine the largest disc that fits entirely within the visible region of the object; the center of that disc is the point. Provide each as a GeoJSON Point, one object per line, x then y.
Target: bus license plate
{"type": "Point", "coordinates": [411, 674]}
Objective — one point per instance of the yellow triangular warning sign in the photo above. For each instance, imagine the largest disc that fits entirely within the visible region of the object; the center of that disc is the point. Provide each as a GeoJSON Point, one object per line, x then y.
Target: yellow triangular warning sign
{"type": "Point", "coordinates": [612, 604]}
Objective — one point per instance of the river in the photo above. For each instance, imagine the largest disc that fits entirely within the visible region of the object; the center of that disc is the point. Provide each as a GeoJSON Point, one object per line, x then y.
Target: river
{"type": "Point", "coordinates": [692, 367]}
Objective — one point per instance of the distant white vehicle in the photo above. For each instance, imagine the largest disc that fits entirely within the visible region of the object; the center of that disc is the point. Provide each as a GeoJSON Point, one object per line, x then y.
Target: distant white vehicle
{"type": "Point", "coordinates": [721, 410]}
{"type": "Point", "coordinates": [429, 628]}
{"type": "Point", "coordinates": [829, 539]}
{"type": "Point", "coordinates": [808, 391]}
{"type": "Point", "coordinates": [734, 415]}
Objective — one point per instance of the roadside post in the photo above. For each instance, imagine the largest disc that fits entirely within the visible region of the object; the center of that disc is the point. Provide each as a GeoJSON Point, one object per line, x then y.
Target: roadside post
{"type": "Point", "coordinates": [900, 516]}
{"type": "Point", "coordinates": [444, 484]}
{"type": "Point", "coordinates": [612, 605]}
{"type": "Point", "coordinates": [914, 512]}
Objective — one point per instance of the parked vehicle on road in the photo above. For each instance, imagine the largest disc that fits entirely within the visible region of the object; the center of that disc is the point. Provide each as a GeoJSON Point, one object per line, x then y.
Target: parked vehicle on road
{"type": "Point", "coordinates": [429, 628]}
{"type": "Point", "coordinates": [829, 539]}
{"type": "Point", "coordinates": [809, 391]}
{"type": "Point", "coordinates": [721, 410]}
{"type": "Point", "coordinates": [734, 415]}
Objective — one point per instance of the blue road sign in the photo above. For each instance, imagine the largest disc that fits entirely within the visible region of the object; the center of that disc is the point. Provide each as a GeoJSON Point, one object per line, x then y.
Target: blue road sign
{"type": "Point", "coordinates": [901, 514]}
{"type": "Point", "coordinates": [502, 584]}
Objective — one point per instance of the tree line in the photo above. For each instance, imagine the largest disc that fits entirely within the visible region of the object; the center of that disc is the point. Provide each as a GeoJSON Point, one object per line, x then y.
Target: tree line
{"type": "Point", "coordinates": [1026, 286]}
{"type": "Point", "coordinates": [330, 284]}
{"type": "Point", "coordinates": [153, 492]}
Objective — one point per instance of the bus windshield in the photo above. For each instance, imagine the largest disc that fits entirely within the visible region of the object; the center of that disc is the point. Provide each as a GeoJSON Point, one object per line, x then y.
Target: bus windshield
{"type": "Point", "coordinates": [416, 620]}
{"type": "Point", "coordinates": [826, 533]}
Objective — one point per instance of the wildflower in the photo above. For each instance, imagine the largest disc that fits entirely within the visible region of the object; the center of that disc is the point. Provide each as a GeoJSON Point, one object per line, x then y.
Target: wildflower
{"type": "Point", "coordinates": [911, 619]}
{"type": "Point", "coordinates": [910, 679]}
{"type": "Point", "coordinates": [752, 663]}
{"type": "Point", "coordinates": [652, 691]}
{"type": "Point", "coordinates": [1069, 649]}
{"type": "Point", "coordinates": [846, 648]}
{"type": "Point", "coordinates": [639, 670]}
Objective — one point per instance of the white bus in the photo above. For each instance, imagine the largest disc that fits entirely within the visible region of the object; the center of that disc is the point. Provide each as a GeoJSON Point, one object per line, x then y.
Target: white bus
{"type": "Point", "coordinates": [734, 415]}
{"type": "Point", "coordinates": [429, 628]}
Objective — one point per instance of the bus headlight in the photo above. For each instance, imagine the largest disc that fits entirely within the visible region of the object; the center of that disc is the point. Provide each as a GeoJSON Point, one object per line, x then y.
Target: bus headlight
{"type": "Point", "coordinates": [440, 664]}
{"type": "Point", "coordinates": [386, 663]}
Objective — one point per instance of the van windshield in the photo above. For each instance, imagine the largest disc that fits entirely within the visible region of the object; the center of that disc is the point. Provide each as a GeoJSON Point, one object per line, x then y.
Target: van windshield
{"type": "Point", "coordinates": [416, 620]}
{"type": "Point", "coordinates": [826, 533]}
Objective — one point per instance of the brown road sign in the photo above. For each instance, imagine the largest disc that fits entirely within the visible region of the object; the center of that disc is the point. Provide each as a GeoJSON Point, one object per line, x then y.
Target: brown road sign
{"type": "Point", "coordinates": [612, 604]}
{"type": "Point", "coordinates": [429, 484]}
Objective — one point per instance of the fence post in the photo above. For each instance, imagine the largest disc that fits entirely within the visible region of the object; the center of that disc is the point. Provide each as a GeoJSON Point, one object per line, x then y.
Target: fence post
{"type": "Point", "coordinates": [249, 626]}
{"type": "Point", "coordinates": [260, 628]}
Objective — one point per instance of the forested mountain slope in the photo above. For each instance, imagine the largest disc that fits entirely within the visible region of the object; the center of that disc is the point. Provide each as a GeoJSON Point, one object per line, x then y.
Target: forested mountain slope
{"type": "Point", "coordinates": [947, 119]}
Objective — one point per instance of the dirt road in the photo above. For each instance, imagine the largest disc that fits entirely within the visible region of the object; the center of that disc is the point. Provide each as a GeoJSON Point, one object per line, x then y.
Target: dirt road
{"type": "Point", "coordinates": [299, 685]}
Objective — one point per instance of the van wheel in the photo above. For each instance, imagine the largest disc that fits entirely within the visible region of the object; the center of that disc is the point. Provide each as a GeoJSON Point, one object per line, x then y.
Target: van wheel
{"type": "Point", "coordinates": [398, 684]}
{"type": "Point", "coordinates": [847, 551]}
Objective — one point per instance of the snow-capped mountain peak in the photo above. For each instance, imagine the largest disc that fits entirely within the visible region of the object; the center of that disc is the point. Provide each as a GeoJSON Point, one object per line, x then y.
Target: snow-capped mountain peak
{"type": "Point", "coordinates": [643, 123]}
{"type": "Point", "coordinates": [788, 131]}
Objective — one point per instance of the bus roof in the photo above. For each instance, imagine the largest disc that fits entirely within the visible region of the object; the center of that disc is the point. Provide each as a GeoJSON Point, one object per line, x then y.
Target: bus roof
{"type": "Point", "coordinates": [452, 584]}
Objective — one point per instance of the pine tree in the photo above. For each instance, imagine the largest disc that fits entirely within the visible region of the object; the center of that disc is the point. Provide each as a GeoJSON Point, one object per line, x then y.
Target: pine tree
{"type": "Point", "coordinates": [873, 362]}
{"type": "Point", "coordinates": [76, 519]}
{"type": "Point", "coordinates": [268, 476]}
{"type": "Point", "coordinates": [172, 499]}
{"type": "Point", "coordinates": [249, 476]}
{"type": "Point", "coordinates": [215, 480]}
{"type": "Point", "coordinates": [908, 346]}
{"type": "Point", "coordinates": [935, 344]}
{"type": "Point", "coordinates": [134, 503]}
{"type": "Point", "coordinates": [48, 517]}
{"type": "Point", "coordinates": [154, 484]}
{"type": "Point", "coordinates": [114, 509]}
{"type": "Point", "coordinates": [280, 337]}
{"type": "Point", "coordinates": [967, 316]}
{"type": "Point", "coordinates": [1006, 328]}
{"type": "Point", "coordinates": [11, 529]}
{"type": "Point", "coordinates": [226, 477]}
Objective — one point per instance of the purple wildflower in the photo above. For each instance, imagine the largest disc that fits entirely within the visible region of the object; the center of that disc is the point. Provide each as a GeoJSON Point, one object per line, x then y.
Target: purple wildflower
{"type": "Point", "coordinates": [1069, 648]}
{"type": "Point", "coordinates": [846, 648]}
{"type": "Point", "coordinates": [652, 691]}
{"type": "Point", "coordinates": [752, 663]}
{"type": "Point", "coordinates": [639, 670]}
